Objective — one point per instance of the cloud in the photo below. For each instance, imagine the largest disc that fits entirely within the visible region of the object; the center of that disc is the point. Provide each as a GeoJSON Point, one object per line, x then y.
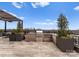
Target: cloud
{"type": "Point", "coordinates": [47, 22]}
{"type": "Point", "coordinates": [76, 8]}
{"type": "Point", "coordinates": [39, 4]}
{"type": "Point", "coordinates": [17, 4]}
{"type": "Point", "coordinates": [21, 17]}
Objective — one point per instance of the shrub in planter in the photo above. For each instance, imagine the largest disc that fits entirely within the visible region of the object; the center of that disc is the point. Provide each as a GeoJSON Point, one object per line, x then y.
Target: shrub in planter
{"type": "Point", "coordinates": [17, 36]}
{"type": "Point", "coordinates": [1, 32]}
{"type": "Point", "coordinates": [65, 44]}
{"type": "Point", "coordinates": [12, 37]}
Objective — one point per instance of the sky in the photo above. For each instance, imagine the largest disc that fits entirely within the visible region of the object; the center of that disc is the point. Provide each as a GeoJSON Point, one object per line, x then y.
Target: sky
{"type": "Point", "coordinates": [41, 15]}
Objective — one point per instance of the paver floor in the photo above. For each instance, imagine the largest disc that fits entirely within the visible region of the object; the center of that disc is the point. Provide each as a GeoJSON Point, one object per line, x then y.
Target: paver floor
{"type": "Point", "coordinates": [31, 49]}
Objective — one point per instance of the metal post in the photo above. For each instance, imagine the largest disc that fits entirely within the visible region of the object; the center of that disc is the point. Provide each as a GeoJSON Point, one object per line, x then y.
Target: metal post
{"type": "Point", "coordinates": [22, 24]}
{"type": "Point", "coordinates": [5, 26]}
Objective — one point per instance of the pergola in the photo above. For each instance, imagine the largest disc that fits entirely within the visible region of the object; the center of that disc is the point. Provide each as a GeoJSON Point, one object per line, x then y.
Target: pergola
{"type": "Point", "coordinates": [7, 17]}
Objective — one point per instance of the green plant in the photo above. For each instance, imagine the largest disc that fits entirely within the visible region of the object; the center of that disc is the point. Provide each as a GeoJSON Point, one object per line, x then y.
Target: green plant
{"type": "Point", "coordinates": [1, 30]}
{"type": "Point", "coordinates": [62, 26]}
{"type": "Point", "coordinates": [17, 30]}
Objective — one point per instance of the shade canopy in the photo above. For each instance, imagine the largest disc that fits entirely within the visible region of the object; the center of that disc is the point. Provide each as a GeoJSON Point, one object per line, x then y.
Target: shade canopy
{"type": "Point", "coordinates": [5, 16]}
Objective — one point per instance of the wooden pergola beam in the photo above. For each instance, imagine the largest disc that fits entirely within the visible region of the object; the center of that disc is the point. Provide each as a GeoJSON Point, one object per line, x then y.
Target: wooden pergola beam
{"type": "Point", "coordinates": [6, 17]}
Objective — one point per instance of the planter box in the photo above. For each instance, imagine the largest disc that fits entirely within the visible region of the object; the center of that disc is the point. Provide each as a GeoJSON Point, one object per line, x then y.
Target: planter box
{"type": "Point", "coordinates": [1, 34]}
{"type": "Point", "coordinates": [12, 37]}
{"type": "Point", "coordinates": [65, 45]}
{"type": "Point", "coordinates": [19, 37]}
{"type": "Point", "coordinates": [16, 37]}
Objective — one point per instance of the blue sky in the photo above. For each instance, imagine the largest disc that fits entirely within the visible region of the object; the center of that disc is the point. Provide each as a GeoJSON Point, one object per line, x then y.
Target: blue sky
{"type": "Point", "coordinates": [41, 14]}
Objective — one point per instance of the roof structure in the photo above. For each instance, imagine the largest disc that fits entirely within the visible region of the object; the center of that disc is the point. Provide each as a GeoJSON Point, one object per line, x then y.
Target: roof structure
{"type": "Point", "coordinates": [5, 16]}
